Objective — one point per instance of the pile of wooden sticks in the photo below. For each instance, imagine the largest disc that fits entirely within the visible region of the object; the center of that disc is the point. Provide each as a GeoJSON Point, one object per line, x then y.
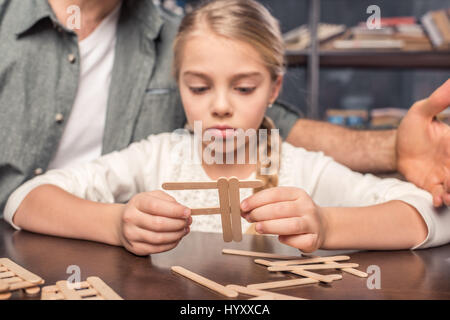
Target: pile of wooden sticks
{"type": "Point", "coordinates": [300, 266]}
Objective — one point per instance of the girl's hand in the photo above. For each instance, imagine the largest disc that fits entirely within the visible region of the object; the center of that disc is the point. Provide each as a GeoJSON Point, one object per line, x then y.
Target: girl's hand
{"type": "Point", "coordinates": [288, 212]}
{"type": "Point", "coordinates": [153, 222]}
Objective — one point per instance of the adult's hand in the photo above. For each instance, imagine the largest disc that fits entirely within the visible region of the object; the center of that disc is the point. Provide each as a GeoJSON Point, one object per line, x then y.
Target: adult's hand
{"type": "Point", "coordinates": [423, 146]}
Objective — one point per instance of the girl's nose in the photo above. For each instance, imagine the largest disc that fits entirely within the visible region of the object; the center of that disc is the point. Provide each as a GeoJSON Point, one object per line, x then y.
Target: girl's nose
{"type": "Point", "coordinates": [221, 107]}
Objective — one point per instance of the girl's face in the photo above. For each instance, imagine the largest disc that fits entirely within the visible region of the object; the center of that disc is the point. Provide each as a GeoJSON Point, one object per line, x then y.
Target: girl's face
{"type": "Point", "coordinates": [224, 84]}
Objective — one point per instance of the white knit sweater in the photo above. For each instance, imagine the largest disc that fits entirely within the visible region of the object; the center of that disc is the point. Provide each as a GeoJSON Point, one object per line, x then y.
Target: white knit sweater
{"type": "Point", "coordinates": [146, 165]}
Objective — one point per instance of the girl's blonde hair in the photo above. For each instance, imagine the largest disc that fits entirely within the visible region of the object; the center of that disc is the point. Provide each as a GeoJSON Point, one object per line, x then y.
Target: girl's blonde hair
{"type": "Point", "coordinates": [252, 23]}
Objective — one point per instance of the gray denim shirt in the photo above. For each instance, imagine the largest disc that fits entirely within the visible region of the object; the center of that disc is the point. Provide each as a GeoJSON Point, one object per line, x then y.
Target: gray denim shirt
{"type": "Point", "coordinates": [39, 74]}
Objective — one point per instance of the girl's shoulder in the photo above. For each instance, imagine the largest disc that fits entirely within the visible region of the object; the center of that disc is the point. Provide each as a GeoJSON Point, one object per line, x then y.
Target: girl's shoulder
{"type": "Point", "coordinates": [300, 167]}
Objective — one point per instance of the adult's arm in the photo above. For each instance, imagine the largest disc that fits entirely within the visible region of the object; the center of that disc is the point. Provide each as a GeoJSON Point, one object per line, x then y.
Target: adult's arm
{"type": "Point", "coordinates": [360, 150]}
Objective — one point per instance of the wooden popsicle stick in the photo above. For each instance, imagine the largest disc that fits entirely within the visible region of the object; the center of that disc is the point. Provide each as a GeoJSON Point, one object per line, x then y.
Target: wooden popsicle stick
{"type": "Point", "coordinates": [23, 284]}
{"type": "Point", "coordinates": [21, 272]}
{"type": "Point", "coordinates": [257, 292]}
{"type": "Point", "coordinates": [310, 260]}
{"type": "Point", "coordinates": [32, 291]}
{"type": "Point", "coordinates": [3, 286]}
{"type": "Point", "coordinates": [352, 271]}
{"type": "Point", "coordinates": [355, 272]}
{"type": "Point", "coordinates": [258, 254]}
{"type": "Point", "coordinates": [263, 262]}
{"type": "Point", "coordinates": [7, 274]}
{"type": "Point", "coordinates": [282, 283]}
{"type": "Point", "coordinates": [264, 297]}
{"type": "Point", "coordinates": [197, 185]}
{"type": "Point", "coordinates": [102, 288]}
{"type": "Point", "coordinates": [204, 211]}
{"type": "Point", "coordinates": [3, 269]}
{"type": "Point", "coordinates": [87, 292]}
{"type": "Point", "coordinates": [5, 296]}
{"type": "Point", "coordinates": [314, 266]}
{"type": "Point", "coordinates": [190, 185]}
{"type": "Point", "coordinates": [205, 282]}
{"type": "Point", "coordinates": [94, 298]}
{"type": "Point", "coordinates": [51, 293]}
{"type": "Point", "coordinates": [251, 184]}
{"type": "Point", "coordinates": [235, 208]}
{"type": "Point", "coordinates": [224, 200]}
{"type": "Point", "coordinates": [320, 277]}
{"type": "Point", "coordinates": [68, 294]}
{"type": "Point", "coordinates": [12, 280]}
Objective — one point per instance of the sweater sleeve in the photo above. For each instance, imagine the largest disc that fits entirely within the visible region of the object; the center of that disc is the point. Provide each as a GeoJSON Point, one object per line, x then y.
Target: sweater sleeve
{"type": "Point", "coordinates": [332, 184]}
{"type": "Point", "coordinates": [114, 177]}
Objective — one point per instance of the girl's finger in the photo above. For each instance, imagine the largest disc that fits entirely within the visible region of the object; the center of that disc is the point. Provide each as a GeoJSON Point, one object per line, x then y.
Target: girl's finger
{"type": "Point", "coordinates": [162, 195]}
{"type": "Point", "coordinates": [277, 210]}
{"type": "Point", "coordinates": [446, 199]}
{"type": "Point", "coordinates": [271, 195]}
{"type": "Point", "coordinates": [437, 193]}
{"type": "Point", "coordinates": [160, 238]}
{"type": "Point", "coordinates": [152, 205]}
{"type": "Point", "coordinates": [287, 226]}
{"type": "Point", "coordinates": [161, 224]}
{"type": "Point", "coordinates": [304, 242]}
{"type": "Point", "coordinates": [143, 249]}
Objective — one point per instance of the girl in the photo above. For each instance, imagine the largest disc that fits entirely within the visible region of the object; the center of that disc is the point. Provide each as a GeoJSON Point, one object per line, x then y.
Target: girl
{"type": "Point", "coordinates": [228, 63]}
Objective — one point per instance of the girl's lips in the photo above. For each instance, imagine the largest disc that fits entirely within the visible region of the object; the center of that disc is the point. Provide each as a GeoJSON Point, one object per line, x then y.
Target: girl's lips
{"type": "Point", "coordinates": [221, 131]}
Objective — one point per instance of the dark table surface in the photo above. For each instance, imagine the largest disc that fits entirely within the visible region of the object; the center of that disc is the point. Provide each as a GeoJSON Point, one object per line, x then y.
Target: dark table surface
{"type": "Point", "coordinates": [421, 274]}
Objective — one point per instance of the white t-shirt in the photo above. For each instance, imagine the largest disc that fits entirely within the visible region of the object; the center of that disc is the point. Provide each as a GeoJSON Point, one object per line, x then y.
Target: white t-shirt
{"type": "Point", "coordinates": [83, 134]}
{"type": "Point", "coordinates": [146, 165]}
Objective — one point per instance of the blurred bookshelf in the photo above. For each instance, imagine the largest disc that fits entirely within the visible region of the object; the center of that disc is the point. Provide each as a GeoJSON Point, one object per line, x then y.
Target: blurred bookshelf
{"type": "Point", "coordinates": [403, 42]}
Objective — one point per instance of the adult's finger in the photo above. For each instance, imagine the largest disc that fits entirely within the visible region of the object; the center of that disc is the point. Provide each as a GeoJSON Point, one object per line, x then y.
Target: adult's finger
{"type": "Point", "coordinates": [157, 206]}
{"type": "Point", "coordinates": [287, 226]}
{"type": "Point", "coordinates": [437, 102]}
{"type": "Point", "coordinates": [276, 210]}
{"type": "Point", "coordinates": [271, 195]}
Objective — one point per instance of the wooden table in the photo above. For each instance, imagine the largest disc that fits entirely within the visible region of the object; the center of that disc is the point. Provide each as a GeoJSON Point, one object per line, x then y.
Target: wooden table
{"type": "Point", "coordinates": [422, 274]}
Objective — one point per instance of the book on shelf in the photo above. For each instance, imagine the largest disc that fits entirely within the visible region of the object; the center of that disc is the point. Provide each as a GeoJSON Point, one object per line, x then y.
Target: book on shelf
{"type": "Point", "coordinates": [437, 27]}
{"type": "Point", "coordinates": [401, 33]}
{"type": "Point", "coordinates": [300, 38]}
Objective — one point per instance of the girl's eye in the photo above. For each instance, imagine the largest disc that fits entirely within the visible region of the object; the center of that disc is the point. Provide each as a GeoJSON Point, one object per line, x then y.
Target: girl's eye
{"type": "Point", "coordinates": [198, 90]}
{"type": "Point", "coordinates": [245, 90]}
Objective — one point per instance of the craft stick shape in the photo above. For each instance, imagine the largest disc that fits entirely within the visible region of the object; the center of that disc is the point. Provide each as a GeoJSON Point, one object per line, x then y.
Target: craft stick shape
{"type": "Point", "coordinates": [204, 211]}
{"type": "Point", "coordinates": [354, 272]}
{"type": "Point", "coordinates": [310, 260]}
{"type": "Point", "coordinates": [208, 185]}
{"type": "Point", "coordinates": [205, 282]}
{"type": "Point", "coordinates": [235, 208]}
{"type": "Point", "coordinates": [224, 200]}
{"type": "Point", "coordinates": [3, 286]}
{"type": "Point", "coordinates": [282, 283]}
{"type": "Point", "coordinates": [258, 254]}
{"type": "Point", "coordinates": [322, 278]}
{"type": "Point", "coordinates": [190, 185]}
{"type": "Point", "coordinates": [69, 294]}
{"type": "Point", "coordinates": [257, 292]}
{"type": "Point", "coordinates": [102, 288]}
{"type": "Point", "coordinates": [314, 266]}
{"type": "Point", "coordinates": [19, 271]}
